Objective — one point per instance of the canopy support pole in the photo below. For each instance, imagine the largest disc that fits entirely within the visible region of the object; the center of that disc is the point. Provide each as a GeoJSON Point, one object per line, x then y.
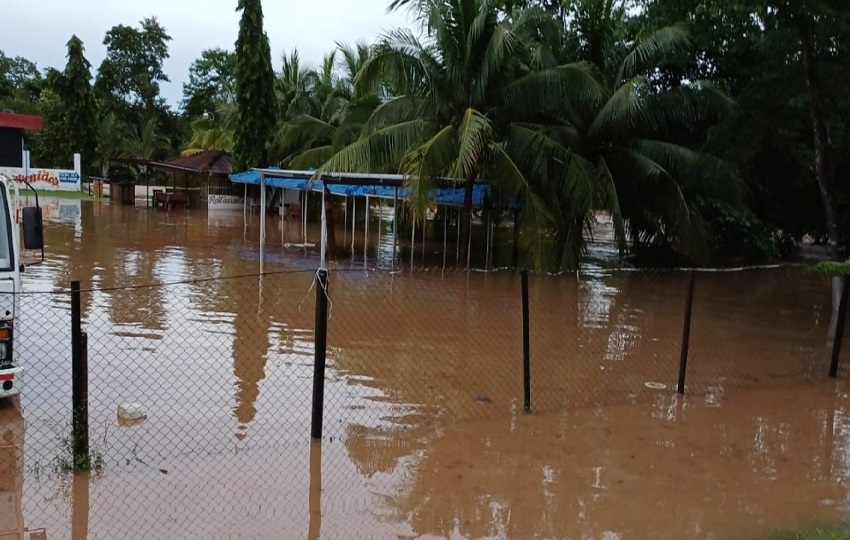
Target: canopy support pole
{"type": "Point", "coordinates": [345, 222]}
{"type": "Point", "coordinates": [457, 253]}
{"type": "Point", "coordinates": [262, 219]}
{"type": "Point", "coordinates": [353, 223]}
{"type": "Point", "coordinates": [489, 240]}
{"type": "Point", "coordinates": [445, 234]}
{"type": "Point", "coordinates": [424, 225]}
{"type": "Point", "coordinates": [324, 230]}
{"type": "Point", "coordinates": [380, 223]}
{"type": "Point", "coordinates": [366, 233]}
{"type": "Point", "coordinates": [413, 243]}
{"type": "Point", "coordinates": [395, 224]}
{"type": "Point", "coordinates": [304, 220]}
{"type": "Point", "coordinates": [469, 246]}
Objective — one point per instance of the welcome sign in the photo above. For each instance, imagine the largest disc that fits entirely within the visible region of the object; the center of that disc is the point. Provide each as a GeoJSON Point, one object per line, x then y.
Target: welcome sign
{"type": "Point", "coordinates": [46, 179]}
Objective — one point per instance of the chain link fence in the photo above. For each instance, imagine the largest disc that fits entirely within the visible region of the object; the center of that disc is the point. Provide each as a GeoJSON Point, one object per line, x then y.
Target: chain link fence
{"type": "Point", "coordinates": [200, 392]}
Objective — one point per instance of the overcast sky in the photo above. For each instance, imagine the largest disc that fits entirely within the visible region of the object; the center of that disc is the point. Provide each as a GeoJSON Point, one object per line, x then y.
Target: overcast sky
{"type": "Point", "coordinates": [39, 29]}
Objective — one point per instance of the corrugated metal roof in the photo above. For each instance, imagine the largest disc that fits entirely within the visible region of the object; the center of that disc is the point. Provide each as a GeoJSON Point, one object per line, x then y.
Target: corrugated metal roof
{"type": "Point", "coordinates": [213, 162]}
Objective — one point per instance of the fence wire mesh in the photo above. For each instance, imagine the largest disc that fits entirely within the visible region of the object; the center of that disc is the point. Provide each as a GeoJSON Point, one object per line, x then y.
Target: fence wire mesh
{"type": "Point", "coordinates": [223, 368]}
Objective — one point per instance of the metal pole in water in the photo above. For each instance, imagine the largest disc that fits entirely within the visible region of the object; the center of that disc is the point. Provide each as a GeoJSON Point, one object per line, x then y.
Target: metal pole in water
{"type": "Point", "coordinates": [526, 345]}
{"type": "Point", "coordinates": [445, 234]}
{"type": "Point", "coordinates": [686, 333]}
{"type": "Point", "coordinates": [515, 247]}
{"type": "Point", "coordinates": [345, 222]}
{"type": "Point", "coordinates": [424, 224]}
{"type": "Point", "coordinates": [366, 233]}
{"type": "Point", "coordinates": [395, 224]}
{"type": "Point", "coordinates": [324, 230]}
{"type": "Point", "coordinates": [304, 218]}
{"type": "Point", "coordinates": [839, 329]}
{"type": "Point", "coordinates": [79, 380]}
{"type": "Point", "coordinates": [457, 252]}
{"type": "Point", "coordinates": [262, 219]}
{"type": "Point", "coordinates": [320, 351]}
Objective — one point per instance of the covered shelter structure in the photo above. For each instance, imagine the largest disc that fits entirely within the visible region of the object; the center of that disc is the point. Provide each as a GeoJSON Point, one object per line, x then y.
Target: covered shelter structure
{"type": "Point", "coordinates": [195, 177]}
{"type": "Point", "coordinates": [382, 187]}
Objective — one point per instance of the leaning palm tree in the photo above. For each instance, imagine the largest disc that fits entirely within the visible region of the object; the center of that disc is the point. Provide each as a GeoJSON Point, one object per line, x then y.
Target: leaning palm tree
{"type": "Point", "coordinates": [445, 119]}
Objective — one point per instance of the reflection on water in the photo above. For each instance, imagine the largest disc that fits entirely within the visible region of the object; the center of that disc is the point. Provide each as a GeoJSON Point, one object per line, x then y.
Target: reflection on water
{"type": "Point", "coordinates": [12, 431]}
{"type": "Point", "coordinates": [668, 469]}
{"type": "Point", "coordinates": [423, 437]}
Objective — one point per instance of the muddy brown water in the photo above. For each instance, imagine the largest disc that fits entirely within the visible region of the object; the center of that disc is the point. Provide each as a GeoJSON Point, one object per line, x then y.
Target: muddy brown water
{"type": "Point", "coordinates": [424, 434]}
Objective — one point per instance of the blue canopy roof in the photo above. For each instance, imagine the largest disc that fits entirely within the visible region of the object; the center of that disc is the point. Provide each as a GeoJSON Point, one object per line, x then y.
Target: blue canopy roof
{"type": "Point", "coordinates": [443, 196]}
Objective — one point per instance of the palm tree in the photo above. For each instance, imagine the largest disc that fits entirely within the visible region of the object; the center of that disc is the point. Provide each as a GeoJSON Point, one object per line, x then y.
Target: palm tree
{"type": "Point", "coordinates": [145, 143]}
{"type": "Point", "coordinates": [111, 137]}
{"type": "Point", "coordinates": [341, 109]}
{"type": "Point", "coordinates": [445, 119]}
{"type": "Point", "coordinates": [215, 131]}
{"type": "Point", "coordinates": [612, 134]}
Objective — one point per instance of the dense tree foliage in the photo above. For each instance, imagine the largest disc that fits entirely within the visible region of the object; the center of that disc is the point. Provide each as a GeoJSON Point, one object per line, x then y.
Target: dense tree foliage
{"type": "Point", "coordinates": [211, 82]}
{"type": "Point", "coordinates": [130, 74]}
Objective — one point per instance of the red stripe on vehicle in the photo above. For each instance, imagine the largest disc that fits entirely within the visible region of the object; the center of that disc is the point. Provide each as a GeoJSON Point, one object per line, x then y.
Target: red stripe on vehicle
{"type": "Point", "coordinates": [7, 376]}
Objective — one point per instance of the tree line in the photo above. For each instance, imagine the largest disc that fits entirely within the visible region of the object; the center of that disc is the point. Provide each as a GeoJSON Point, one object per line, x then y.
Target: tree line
{"type": "Point", "coordinates": [706, 130]}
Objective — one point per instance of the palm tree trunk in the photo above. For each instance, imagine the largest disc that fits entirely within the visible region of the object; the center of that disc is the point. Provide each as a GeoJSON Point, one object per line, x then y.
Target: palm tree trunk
{"type": "Point", "coordinates": [824, 172]}
{"type": "Point", "coordinates": [465, 217]}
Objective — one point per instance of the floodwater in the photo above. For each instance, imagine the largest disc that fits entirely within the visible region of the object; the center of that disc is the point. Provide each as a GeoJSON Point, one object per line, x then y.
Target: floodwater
{"type": "Point", "coordinates": [424, 434]}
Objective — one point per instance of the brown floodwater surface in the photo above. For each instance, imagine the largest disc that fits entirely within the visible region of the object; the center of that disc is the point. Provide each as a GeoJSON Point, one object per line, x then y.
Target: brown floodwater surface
{"type": "Point", "coordinates": [424, 434]}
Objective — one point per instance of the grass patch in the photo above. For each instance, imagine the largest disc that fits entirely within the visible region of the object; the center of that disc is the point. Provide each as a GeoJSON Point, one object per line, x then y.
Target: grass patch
{"type": "Point", "coordinates": [72, 195]}
{"type": "Point", "coordinates": [66, 461]}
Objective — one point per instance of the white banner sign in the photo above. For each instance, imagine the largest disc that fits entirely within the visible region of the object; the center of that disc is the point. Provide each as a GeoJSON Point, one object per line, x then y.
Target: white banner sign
{"type": "Point", "coordinates": [46, 179]}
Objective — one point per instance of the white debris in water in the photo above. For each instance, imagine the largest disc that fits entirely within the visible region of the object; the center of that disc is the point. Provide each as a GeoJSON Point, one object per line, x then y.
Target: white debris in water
{"type": "Point", "coordinates": [131, 411]}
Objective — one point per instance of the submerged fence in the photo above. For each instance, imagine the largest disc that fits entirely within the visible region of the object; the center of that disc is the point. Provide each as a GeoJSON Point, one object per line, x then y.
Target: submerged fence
{"type": "Point", "coordinates": [236, 374]}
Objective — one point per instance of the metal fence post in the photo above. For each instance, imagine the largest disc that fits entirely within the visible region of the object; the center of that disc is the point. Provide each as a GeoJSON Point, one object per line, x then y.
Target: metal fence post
{"type": "Point", "coordinates": [79, 379]}
{"type": "Point", "coordinates": [686, 333]}
{"type": "Point", "coordinates": [320, 351]}
{"type": "Point", "coordinates": [526, 345]}
{"type": "Point", "coordinates": [839, 329]}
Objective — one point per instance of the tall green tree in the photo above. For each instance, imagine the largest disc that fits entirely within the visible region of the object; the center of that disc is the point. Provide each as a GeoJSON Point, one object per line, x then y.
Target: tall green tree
{"type": "Point", "coordinates": [211, 82]}
{"type": "Point", "coordinates": [80, 110]}
{"type": "Point", "coordinates": [255, 96]}
{"type": "Point", "coordinates": [130, 75]}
